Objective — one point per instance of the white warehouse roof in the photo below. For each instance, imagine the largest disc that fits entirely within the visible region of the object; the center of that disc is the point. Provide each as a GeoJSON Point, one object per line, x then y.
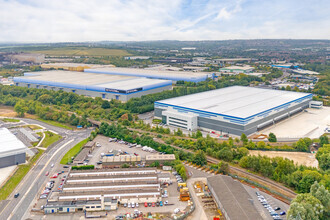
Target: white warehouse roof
{"type": "Point", "coordinates": [9, 144]}
{"type": "Point", "coordinates": [235, 101]}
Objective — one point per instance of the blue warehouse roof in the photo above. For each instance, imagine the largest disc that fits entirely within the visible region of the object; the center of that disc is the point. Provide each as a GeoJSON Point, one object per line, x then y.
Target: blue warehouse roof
{"type": "Point", "coordinates": [91, 81]}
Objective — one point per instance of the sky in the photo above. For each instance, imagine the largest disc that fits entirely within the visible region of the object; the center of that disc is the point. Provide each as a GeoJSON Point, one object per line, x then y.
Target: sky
{"type": "Point", "coordinates": [142, 20]}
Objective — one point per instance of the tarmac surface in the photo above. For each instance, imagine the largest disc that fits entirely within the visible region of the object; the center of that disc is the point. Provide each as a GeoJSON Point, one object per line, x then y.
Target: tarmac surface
{"type": "Point", "coordinates": [19, 208]}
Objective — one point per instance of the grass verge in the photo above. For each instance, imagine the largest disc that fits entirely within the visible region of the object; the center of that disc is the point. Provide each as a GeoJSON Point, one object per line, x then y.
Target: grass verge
{"type": "Point", "coordinates": [22, 170]}
{"type": "Point", "coordinates": [73, 151]}
{"type": "Point", "coordinates": [50, 138]}
{"type": "Point", "coordinates": [10, 120]}
{"type": "Point", "coordinates": [55, 123]}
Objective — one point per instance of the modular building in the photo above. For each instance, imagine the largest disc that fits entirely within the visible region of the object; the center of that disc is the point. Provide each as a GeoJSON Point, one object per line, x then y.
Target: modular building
{"type": "Point", "coordinates": [105, 86]}
{"type": "Point", "coordinates": [233, 110]}
{"type": "Point", "coordinates": [102, 190]}
{"type": "Point", "coordinates": [154, 74]}
{"type": "Point", "coordinates": [12, 150]}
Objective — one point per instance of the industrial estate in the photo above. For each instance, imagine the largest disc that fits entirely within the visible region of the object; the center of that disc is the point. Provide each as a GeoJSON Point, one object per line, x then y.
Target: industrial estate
{"type": "Point", "coordinates": [185, 133]}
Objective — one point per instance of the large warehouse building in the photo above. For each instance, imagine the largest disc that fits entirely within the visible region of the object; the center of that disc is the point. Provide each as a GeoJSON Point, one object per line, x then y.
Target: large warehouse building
{"type": "Point", "coordinates": [94, 85]}
{"type": "Point", "coordinates": [234, 110]}
{"type": "Point", "coordinates": [12, 150]}
{"type": "Point", "coordinates": [154, 74]}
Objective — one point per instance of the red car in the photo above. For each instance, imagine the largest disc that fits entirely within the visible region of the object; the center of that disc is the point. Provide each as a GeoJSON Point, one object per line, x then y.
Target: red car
{"type": "Point", "coordinates": [153, 204]}
{"type": "Point", "coordinates": [54, 176]}
{"type": "Point", "coordinates": [47, 173]}
{"type": "Point", "coordinates": [145, 204]}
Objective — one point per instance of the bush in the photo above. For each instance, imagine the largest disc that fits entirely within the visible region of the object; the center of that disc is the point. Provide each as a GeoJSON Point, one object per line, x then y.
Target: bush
{"type": "Point", "coordinates": [86, 167]}
{"type": "Point", "coordinates": [272, 137]}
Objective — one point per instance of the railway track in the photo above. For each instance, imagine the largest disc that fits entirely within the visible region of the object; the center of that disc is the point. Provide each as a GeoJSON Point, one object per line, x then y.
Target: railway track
{"type": "Point", "coordinates": [261, 180]}
{"type": "Point", "coordinates": [273, 184]}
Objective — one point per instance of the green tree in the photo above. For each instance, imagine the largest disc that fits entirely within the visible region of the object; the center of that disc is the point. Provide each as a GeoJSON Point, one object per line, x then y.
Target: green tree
{"type": "Point", "coordinates": [105, 104]}
{"type": "Point", "coordinates": [308, 178]}
{"type": "Point", "coordinates": [319, 192]}
{"type": "Point", "coordinates": [198, 134]}
{"type": "Point", "coordinates": [324, 140]}
{"type": "Point", "coordinates": [305, 206]}
{"type": "Point", "coordinates": [301, 145]}
{"type": "Point", "coordinates": [225, 154]}
{"type": "Point", "coordinates": [199, 158]}
{"type": "Point", "coordinates": [323, 157]}
{"type": "Point", "coordinates": [272, 137]}
{"type": "Point", "coordinates": [20, 108]}
{"type": "Point", "coordinates": [223, 168]}
{"type": "Point", "coordinates": [244, 138]}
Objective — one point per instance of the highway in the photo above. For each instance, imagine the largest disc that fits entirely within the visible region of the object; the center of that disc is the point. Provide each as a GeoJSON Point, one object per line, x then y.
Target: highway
{"type": "Point", "coordinates": [15, 209]}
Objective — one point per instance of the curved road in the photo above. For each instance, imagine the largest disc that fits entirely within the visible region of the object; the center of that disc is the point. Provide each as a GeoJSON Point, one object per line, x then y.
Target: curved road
{"type": "Point", "coordinates": [15, 209]}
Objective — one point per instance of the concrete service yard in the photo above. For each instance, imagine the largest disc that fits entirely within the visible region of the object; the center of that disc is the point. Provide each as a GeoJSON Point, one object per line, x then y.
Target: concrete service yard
{"type": "Point", "coordinates": [311, 123]}
{"type": "Point", "coordinates": [307, 159]}
{"type": "Point", "coordinates": [5, 173]}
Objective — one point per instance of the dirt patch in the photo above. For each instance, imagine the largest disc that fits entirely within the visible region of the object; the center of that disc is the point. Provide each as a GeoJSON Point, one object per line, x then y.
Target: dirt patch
{"type": "Point", "coordinates": [8, 111]}
{"type": "Point", "coordinates": [307, 159]}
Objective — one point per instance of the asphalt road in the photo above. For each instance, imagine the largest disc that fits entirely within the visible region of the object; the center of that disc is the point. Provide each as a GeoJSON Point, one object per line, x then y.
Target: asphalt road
{"type": "Point", "coordinates": [29, 186]}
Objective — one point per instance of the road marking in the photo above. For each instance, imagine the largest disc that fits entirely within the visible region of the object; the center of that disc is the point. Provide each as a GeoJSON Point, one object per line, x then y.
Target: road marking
{"type": "Point", "coordinates": [36, 179]}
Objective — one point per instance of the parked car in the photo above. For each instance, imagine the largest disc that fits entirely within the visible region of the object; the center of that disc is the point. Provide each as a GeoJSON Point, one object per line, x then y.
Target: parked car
{"type": "Point", "coordinates": [166, 202]}
{"type": "Point", "coordinates": [52, 165]}
{"type": "Point", "coordinates": [136, 205]}
{"type": "Point", "coordinates": [129, 205]}
{"type": "Point", "coordinates": [161, 203]}
{"type": "Point", "coordinates": [145, 204]}
{"type": "Point", "coordinates": [133, 205]}
{"type": "Point", "coordinates": [65, 166]}
{"type": "Point", "coordinates": [277, 208]}
{"type": "Point", "coordinates": [282, 213]}
{"type": "Point", "coordinates": [149, 204]}
{"type": "Point", "coordinates": [47, 173]}
{"type": "Point", "coordinates": [157, 203]}
{"type": "Point", "coordinates": [153, 204]}
{"type": "Point", "coordinates": [16, 195]}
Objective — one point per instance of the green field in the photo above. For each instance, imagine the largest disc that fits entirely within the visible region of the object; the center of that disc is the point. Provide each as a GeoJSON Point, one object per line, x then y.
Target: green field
{"type": "Point", "coordinates": [80, 51]}
{"type": "Point", "coordinates": [50, 138]}
{"type": "Point", "coordinates": [10, 120]}
{"type": "Point", "coordinates": [55, 123]}
{"type": "Point", "coordinates": [73, 151]}
{"type": "Point", "coordinates": [22, 170]}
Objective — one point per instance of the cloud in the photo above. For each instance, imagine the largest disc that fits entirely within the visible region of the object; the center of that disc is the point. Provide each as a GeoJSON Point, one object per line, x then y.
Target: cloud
{"type": "Point", "coordinates": [138, 20]}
